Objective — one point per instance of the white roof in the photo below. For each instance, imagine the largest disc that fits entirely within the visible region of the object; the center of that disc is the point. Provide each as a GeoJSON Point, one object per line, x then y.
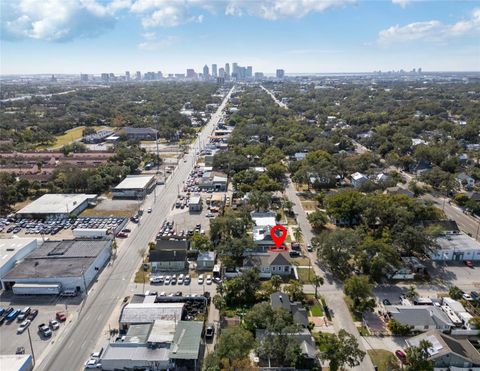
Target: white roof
{"type": "Point", "coordinates": [11, 362]}
{"type": "Point", "coordinates": [162, 331]}
{"type": "Point", "coordinates": [149, 312]}
{"type": "Point", "coordinates": [9, 247]}
{"type": "Point", "coordinates": [135, 182]}
{"type": "Point", "coordinates": [217, 178]}
{"type": "Point", "coordinates": [266, 219]}
{"type": "Point", "coordinates": [357, 176]}
{"type": "Point", "coordinates": [458, 241]}
{"type": "Point", "coordinates": [56, 203]}
{"type": "Point", "coordinates": [194, 199]}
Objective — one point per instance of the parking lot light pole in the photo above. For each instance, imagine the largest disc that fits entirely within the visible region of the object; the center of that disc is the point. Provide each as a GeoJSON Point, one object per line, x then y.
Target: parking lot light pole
{"type": "Point", "coordinates": [31, 345]}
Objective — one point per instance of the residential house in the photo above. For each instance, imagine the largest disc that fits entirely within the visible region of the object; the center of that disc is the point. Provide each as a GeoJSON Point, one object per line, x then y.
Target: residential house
{"type": "Point", "coordinates": [206, 260]}
{"type": "Point", "coordinates": [168, 260]}
{"type": "Point", "coordinates": [299, 156]}
{"type": "Point", "coordinates": [411, 268]}
{"type": "Point", "coordinates": [447, 352]}
{"type": "Point", "coordinates": [358, 179]}
{"type": "Point", "coordinates": [399, 191]}
{"type": "Point", "coordinates": [382, 177]}
{"type": "Point", "coordinates": [299, 313]}
{"type": "Point", "coordinates": [421, 167]}
{"type": "Point", "coordinates": [170, 243]}
{"type": "Point", "coordinates": [269, 264]}
{"type": "Point", "coordinates": [465, 181]}
{"type": "Point", "coordinates": [420, 317]}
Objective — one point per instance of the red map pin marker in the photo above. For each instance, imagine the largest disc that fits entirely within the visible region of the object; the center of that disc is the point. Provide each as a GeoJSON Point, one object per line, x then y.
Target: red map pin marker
{"type": "Point", "coordinates": [278, 233]}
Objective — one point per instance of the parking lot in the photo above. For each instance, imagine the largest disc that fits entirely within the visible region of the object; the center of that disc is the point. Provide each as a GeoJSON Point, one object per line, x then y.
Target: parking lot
{"type": "Point", "coordinates": [47, 307]}
{"type": "Point", "coordinates": [56, 226]}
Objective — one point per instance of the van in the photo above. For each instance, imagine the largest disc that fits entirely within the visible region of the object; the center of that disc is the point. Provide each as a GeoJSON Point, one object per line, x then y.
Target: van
{"type": "Point", "coordinates": [23, 314]}
{"type": "Point", "coordinates": [68, 293]}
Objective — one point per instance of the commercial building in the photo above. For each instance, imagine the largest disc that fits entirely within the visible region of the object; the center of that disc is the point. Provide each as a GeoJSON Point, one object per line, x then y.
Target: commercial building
{"type": "Point", "coordinates": [12, 250]}
{"type": "Point", "coordinates": [71, 264]}
{"type": "Point", "coordinates": [214, 180]}
{"type": "Point", "coordinates": [168, 260]}
{"type": "Point", "coordinates": [195, 204]}
{"type": "Point", "coordinates": [134, 187]}
{"type": "Point", "coordinates": [206, 260]}
{"type": "Point", "coordinates": [98, 137]}
{"type": "Point", "coordinates": [142, 313]}
{"type": "Point", "coordinates": [162, 345]}
{"type": "Point", "coordinates": [456, 247]}
{"type": "Point", "coordinates": [57, 204]}
{"type": "Point", "coordinates": [280, 74]}
{"type": "Point", "coordinates": [16, 362]}
{"type": "Point", "coordinates": [132, 133]}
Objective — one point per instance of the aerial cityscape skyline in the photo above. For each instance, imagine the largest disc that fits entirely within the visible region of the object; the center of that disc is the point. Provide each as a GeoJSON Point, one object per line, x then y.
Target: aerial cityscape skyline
{"type": "Point", "coordinates": [305, 37]}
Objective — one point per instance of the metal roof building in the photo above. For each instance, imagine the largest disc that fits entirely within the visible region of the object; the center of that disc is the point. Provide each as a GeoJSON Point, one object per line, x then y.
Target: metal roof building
{"type": "Point", "coordinates": [72, 263]}
{"type": "Point", "coordinates": [149, 312]}
{"type": "Point", "coordinates": [12, 250]}
{"type": "Point", "coordinates": [57, 204]}
{"type": "Point", "coordinates": [134, 187]}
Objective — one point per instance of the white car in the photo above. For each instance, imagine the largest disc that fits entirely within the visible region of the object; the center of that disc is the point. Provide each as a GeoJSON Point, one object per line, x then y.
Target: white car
{"type": "Point", "coordinates": [467, 297]}
{"type": "Point", "coordinates": [180, 279]}
{"type": "Point", "coordinates": [162, 293]}
{"type": "Point", "coordinates": [23, 326]}
{"type": "Point", "coordinates": [167, 280]}
{"type": "Point", "coordinates": [200, 279]}
{"type": "Point", "coordinates": [54, 324]}
{"type": "Point", "coordinates": [209, 280]}
{"type": "Point", "coordinates": [93, 363]}
{"type": "Point", "coordinates": [158, 279]}
{"type": "Point", "coordinates": [149, 210]}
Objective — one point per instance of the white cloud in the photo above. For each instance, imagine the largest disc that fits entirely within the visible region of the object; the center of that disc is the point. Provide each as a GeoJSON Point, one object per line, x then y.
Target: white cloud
{"type": "Point", "coordinates": [433, 31]}
{"type": "Point", "coordinates": [152, 43]}
{"type": "Point", "coordinates": [56, 20]}
{"type": "Point", "coordinates": [401, 3]}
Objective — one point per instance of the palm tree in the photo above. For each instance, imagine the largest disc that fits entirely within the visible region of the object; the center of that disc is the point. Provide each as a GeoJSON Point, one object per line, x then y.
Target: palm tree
{"type": "Point", "coordinates": [297, 234]}
{"type": "Point", "coordinates": [276, 281]}
{"type": "Point", "coordinates": [411, 293]}
{"type": "Point", "coordinates": [317, 281]}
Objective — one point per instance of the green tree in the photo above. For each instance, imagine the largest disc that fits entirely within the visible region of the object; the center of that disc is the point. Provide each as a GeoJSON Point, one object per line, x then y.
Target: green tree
{"type": "Point", "coordinates": [359, 289]}
{"type": "Point", "coordinates": [200, 242]}
{"type": "Point", "coordinates": [342, 350]}
{"type": "Point", "coordinates": [345, 206]}
{"type": "Point", "coordinates": [297, 234]}
{"type": "Point", "coordinates": [417, 357]}
{"type": "Point", "coordinates": [234, 343]}
{"type": "Point", "coordinates": [219, 302]}
{"type": "Point", "coordinates": [455, 293]}
{"type": "Point", "coordinates": [318, 220]}
{"type": "Point", "coordinates": [411, 293]}
{"type": "Point", "coordinates": [399, 329]}
{"type": "Point", "coordinates": [317, 282]}
{"type": "Point", "coordinates": [295, 290]}
{"type": "Point", "coordinates": [276, 281]}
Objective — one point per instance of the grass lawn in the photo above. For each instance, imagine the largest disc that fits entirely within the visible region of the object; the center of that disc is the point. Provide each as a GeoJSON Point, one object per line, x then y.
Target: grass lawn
{"type": "Point", "coordinates": [355, 315]}
{"type": "Point", "coordinates": [309, 205]}
{"type": "Point", "coordinates": [322, 339]}
{"type": "Point", "coordinates": [316, 310]}
{"type": "Point", "coordinates": [68, 137]}
{"type": "Point", "coordinates": [303, 275]}
{"type": "Point", "coordinates": [300, 261]}
{"type": "Point", "coordinates": [363, 331]}
{"type": "Point", "coordinates": [383, 359]}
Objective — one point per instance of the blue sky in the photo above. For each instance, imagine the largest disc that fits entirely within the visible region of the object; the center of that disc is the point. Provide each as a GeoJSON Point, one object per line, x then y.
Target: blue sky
{"type": "Point", "coordinates": [301, 36]}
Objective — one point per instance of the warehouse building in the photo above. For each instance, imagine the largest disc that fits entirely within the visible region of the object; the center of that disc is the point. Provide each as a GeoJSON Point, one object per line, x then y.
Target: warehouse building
{"type": "Point", "coordinates": [13, 250]}
{"type": "Point", "coordinates": [70, 264]}
{"type": "Point", "coordinates": [57, 205]}
{"type": "Point", "coordinates": [134, 187]}
{"type": "Point", "coordinates": [132, 133]}
{"type": "Point", "coordinates": [456, 247]}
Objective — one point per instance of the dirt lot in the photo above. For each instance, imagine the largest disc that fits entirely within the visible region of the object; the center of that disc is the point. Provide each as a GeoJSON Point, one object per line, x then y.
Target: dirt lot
{"type": "Point", "coordinates": [109, 207]}
{"type": "Point", "coordinates": [47, 307]}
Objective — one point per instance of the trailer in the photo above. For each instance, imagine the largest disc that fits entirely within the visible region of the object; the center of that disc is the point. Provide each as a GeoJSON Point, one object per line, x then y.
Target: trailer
{"type": "Point", "coordinates": [37, 288]}
{"type": "Point", "coordinates": [90, 233]}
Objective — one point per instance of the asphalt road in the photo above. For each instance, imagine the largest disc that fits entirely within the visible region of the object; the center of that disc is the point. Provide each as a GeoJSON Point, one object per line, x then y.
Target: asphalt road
{"type": "Point", "coordinates": [283, 105]}
{"type": "Point", "coordinates": [74, 347]}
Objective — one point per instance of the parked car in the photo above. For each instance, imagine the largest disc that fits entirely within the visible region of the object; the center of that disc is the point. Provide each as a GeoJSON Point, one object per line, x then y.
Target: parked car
{"type": "Point", "coordinates": [93, 363]}
{"type": "Point", "coordinates": [23, 326]}
{"type": "Point", "coordinates": [122, 235]}
{"type": "Point", "coordinates": [187, 279]}
{"type": "Point", "coordinates": [23, 314]}
{"type": "Point", "coordinates": [54, 325]}
{"type": "Point", "coordinates": [209, 331]}
{"type": "Point", "coordinates": [386, 302]}
{"type": "Point", "coordinates": [61, 316]}
{"type": "Point", "coordinates": [20, 350]}
{"type": "Point", "coordinates": [149, 210]}
{"type": "Point", "coordinates": [475, 295]}
{"type": "Point", "coordinates": [33, 314]}
{"type": "Point", "coordinates": [469, 263]}
{"type": "Point", "coordinates": [401, 356]}
{"type": "Point", "coordinates": [309, 247]}
{"type": "Point", "coordinates": [201, 279]}
{"type": "Point", "coordinates": [157, 279]}
{"type": "Point", "coordinates": [97, 354]}
{"type": "Point", "coordinates": [126, 230]}
{"type": "Point", "coordinates": [467, 297]}
{"type": "Point", "coordinates": [294, 254]}
{"type": "Point", "coordinates": [44, 330]}
{"type": "Point", "coordinates": [209, 280]}
{"type": "Point", "coordinates": [178, 293]}
{"type": "Point", "coordinates": [167, 280]}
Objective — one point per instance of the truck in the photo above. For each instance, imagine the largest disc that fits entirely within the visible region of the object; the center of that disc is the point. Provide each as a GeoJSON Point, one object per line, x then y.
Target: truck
{"type": "Point", "coordinates": [90, 233]}
{"type": "Point", "coordinates": [37, 289]}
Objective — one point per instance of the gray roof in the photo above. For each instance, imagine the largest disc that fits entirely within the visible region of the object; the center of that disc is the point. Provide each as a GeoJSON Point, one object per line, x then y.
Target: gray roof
{"type": "Point", "coordinates": [138, 333]}
{"type": "Point", "coordinates": [267, 259]}
{"type": "Point", "coordinates": [206, 256]}
{"type": "Point", "coordinates": [172, 244]}
{"type": "Point", "coordinates": [187, 340]}
{"type": "Point", "coordinates": [162, 331]}
{"type": "Point", "coordinates": [299, 313]}
{"type": "Point", "coordinates": [148, 312]}
{"type": "Point", "coordinates": [457, 242]}
{"type": "Point", "coordinates": [419, 315]}
{"type": "Point", "coordinates": [132, 130]}
{"type": "Point", "coordinates": [168, 255]}
{"type": "Point", "coordinates": [304, 338]}
{"type": "Point", "coordinates": [67, 258]}
{"type": "Point", "coordinates": [56, 203]}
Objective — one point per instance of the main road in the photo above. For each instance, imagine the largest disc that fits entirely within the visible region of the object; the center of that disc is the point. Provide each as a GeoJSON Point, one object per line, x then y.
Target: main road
{"type": "Point", "coordinates": [83, 329]}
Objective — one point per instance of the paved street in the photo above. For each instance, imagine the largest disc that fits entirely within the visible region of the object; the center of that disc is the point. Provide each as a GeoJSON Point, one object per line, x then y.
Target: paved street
{"type": "Point", "coordinates": [283, 105]}
{"type": "Point", "coordinates": [71, 350]}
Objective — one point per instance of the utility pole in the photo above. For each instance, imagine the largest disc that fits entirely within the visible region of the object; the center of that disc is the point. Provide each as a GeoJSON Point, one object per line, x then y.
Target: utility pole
{"type": "Point", "coordinates": [31, 345]}
{"type": "Point", "coordinates": [84, 281]}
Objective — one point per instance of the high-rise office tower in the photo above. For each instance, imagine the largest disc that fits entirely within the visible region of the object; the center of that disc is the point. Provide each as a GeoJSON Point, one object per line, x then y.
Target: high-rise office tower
{"type": "Point", "coordinates": [221, 72]}
{"type": "Point", "coordinates": [280, 74]}
{"type": "Point", "coordinates": [191, 73]}
{"type": "Point", "coordinates": [138, 75]}
{"type": "Point", "coordinates": [127, 75]}
{"type": "Point", "coordinates": [206, 74]}
{"type": "Point", "coordinates": [234, 68]}
{"type": "Point", "coordinates": [83, 77]}
{"type": "Point", "coordinates": [214, 70]}
{"type": "Point", "coordinates": [227, 69]}
{"type": "Point", "coordinates": [249, 73]}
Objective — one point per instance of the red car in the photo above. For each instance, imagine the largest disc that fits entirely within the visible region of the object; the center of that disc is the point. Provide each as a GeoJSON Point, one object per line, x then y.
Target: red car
{"type": "Point", "coordinates": [61, 316]}
{"type": "Point", "coordinates": [401, 356]}
{"type": "Point", "coordinates": [468, 263]}
{"type": "Point", "coordinates": [122, 235]}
